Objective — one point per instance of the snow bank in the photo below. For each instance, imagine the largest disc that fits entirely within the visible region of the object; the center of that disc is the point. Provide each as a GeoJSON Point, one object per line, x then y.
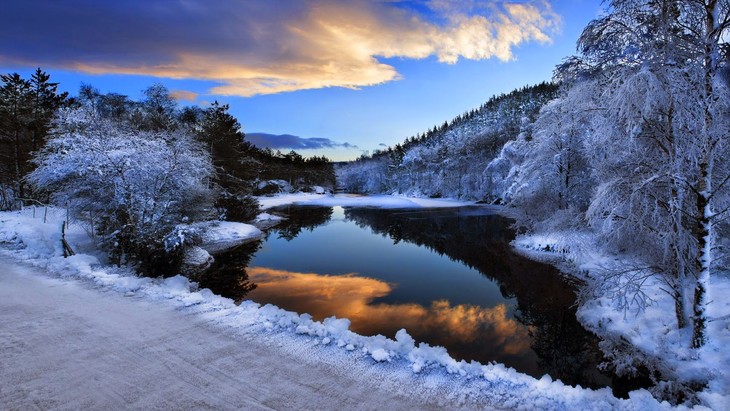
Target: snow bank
{"type": "Point", "coordinates": [350, 200]}
{"type": "Point", "coordinates": [266, 217]}
{"type": "Point", "coordinates": [221, 235]}
{"type": "Point", "coordinates": [651, 331]}
{"type": "Point", "coordinates": [196, 260]}
{"type": "Point", "coordinates": [431, 368]}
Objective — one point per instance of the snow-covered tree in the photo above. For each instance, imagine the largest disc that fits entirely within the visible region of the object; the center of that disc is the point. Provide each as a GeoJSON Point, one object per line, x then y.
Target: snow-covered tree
{"type": "Point", "coordinates": [660, 145]}
{"type": "Point", "coordinates": [555, 178]}
{"type": "Point", "coordinates": [135, 185]}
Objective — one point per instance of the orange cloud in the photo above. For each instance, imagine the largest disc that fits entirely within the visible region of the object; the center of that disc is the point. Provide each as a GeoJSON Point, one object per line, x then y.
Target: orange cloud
{"type": "Point", "coordinates": [183, 95]}
{"type": "Point", "coordinates": [267, 47]}
{"type": "Point", "coordinates": [350, 296]}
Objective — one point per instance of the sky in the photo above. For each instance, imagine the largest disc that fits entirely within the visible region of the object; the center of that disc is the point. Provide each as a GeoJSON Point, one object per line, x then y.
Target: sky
{"type": "Point", "coordinates": [324, 77]}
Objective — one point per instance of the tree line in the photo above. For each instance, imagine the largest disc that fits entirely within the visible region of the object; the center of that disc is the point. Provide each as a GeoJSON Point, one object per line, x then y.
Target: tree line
{"type": "Point", "coordinates": [27, 109]}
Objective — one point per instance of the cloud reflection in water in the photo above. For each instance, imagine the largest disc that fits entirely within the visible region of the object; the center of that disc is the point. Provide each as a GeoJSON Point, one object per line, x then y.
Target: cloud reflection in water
{"type": "Point", "coordinates": [351, 296]}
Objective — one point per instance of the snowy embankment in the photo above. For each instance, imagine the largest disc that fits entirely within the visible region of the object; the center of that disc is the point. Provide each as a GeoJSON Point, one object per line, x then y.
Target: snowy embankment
{"type": "Point", "coordinates": [652, 331]}
{"type": "Point", "coordinates": [351, 200]}
{"type": "Point", "coordinates": [221, 235]}
{"type": "Point", "coordinates": [215, 236]}
{"type": "Point", "coordinates": [398, 365]}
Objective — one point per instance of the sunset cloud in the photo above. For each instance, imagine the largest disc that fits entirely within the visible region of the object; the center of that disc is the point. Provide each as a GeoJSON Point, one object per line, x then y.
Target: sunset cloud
{"type": "Point", "coordinates": [183, 95]}
{"type": "Point", "coordinates": [264, 47]}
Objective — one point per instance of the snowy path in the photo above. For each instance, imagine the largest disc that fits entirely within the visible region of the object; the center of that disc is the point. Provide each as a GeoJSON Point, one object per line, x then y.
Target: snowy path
{"type": "Point", "coordinates": [66, 346]}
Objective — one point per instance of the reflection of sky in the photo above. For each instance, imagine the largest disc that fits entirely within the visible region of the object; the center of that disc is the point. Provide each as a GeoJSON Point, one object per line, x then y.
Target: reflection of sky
{"type": "Point", "coordinates": [417, 274]}
{"type": "Point", "coordinates": [460, 327]}
{"type": "Point", "coordinates": [350, 272]}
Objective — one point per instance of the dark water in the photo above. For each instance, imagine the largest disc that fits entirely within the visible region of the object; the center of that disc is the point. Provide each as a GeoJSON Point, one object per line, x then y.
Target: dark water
{"type": "Point", "coordinates": [449, 277]}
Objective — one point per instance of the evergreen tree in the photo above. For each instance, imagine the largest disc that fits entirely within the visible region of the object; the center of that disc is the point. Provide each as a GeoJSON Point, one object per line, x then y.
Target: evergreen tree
{"type": "Point", "coordinates": [235, 169]}
{"type": "Point", "coordinates": [222, 134]}
{"type": "Point", "coordinates": [27, 109]}
{"type": "Point", "coordinates": [15, 116]}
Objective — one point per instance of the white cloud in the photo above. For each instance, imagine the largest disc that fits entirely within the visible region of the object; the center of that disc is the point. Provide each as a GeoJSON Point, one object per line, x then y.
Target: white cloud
{"type": "Point", "coordinates": [266, 47]}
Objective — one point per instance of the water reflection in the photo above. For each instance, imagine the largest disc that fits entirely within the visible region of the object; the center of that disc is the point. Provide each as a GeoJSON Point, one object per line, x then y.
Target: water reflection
{"type": "Point", "coordinates": [458, 327]}
{"type": "Point", "coordinates": [228, 276]}
{"type": "Point", "coordinates": [545, 300]}
{"type": "Point", "coordinates": [470, 293]}
{"type": "Point", "coordinates": [301, 218]}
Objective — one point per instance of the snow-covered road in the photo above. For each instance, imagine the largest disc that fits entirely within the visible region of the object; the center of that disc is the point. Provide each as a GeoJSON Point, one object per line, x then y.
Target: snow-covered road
{"type": "Point", "coordinates": [66, 346]}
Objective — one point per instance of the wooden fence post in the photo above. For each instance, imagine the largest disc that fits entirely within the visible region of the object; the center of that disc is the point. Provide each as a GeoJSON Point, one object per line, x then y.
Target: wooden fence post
{"type": "Point", "coordinates": [67, 250]}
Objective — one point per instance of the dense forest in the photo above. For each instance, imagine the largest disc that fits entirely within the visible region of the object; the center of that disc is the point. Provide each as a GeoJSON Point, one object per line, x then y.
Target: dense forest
{"type": "Point", "coordinates": [135, 170]}
{"type": "Point", "coordinates": [628, 145]}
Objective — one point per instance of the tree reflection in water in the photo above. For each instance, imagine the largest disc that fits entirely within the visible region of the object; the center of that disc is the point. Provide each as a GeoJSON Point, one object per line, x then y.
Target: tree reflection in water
{"type": "Point", "coordinates": [227, 276]}
{"type": "Point", "coordinates": [300, 218]}
{"type": "Point", "coordinates": [545, 300]}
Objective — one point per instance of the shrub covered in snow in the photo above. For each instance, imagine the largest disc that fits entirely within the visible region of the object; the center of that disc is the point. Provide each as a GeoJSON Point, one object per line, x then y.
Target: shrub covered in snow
{"type": "Point", "coordinates": [134, 186]}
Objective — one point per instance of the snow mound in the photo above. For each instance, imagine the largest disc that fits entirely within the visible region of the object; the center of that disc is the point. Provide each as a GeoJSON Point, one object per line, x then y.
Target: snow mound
{"type": "Point", "coordinates": [350, 200]}
{"type": "Point", "coordinates": [221, 235]}
{"type": "Point", "coordinates": [196, 260]}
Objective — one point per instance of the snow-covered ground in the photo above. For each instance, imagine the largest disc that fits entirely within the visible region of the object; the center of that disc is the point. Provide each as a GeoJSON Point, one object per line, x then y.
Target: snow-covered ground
{"type": "Point", "coordinates": [163, 343]}
{"type": "Point", "coordinates": [651, 330]}
{"type": "Point", "coordinates": [222, 235]}
{"type": "Point", "coordinates": [350, 200]}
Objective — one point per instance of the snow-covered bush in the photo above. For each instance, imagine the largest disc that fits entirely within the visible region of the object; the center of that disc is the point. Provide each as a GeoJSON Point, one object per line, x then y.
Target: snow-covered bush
{"type": "Point", "coordinates": [134, 186]}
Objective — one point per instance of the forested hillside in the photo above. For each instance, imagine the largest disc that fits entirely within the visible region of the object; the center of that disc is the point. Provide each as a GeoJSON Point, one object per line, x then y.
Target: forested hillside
{"type": "Point", "coordinates": [450, 160]}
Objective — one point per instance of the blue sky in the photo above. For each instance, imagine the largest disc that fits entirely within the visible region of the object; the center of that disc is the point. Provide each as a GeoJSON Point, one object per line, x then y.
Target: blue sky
{"type": "Point", "coordinates": [359, 73]}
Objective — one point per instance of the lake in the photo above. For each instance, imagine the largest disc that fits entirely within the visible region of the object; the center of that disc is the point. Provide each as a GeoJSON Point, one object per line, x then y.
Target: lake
{"type": "Point", "coordinates": [448, 276]}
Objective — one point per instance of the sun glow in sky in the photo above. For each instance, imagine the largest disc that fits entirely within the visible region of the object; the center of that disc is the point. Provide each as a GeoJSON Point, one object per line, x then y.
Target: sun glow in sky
{"type": "Point", "coordinates": [360, 74]}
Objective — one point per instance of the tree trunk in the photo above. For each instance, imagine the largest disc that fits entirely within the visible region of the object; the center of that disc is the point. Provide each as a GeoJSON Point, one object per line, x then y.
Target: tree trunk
{"type": "Point", "coordinates": [16, 154]}
{"type": "Point", "coordinates": [703, 211]}
{"type": "Point", "coordinates": [703, 258]}
{"type": "Point", "coordinates": [678, 296]}
{"type": "Point", "coordinates": [698, 326]}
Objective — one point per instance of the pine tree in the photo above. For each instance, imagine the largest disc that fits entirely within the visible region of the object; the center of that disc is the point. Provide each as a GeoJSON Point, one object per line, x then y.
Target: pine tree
{"type": "Point", "coordinates": [27, 108]}
{"type": "Point", "coordinates": [221, 132]}
{"type": "Point", "coordinates": [45, 102]}
{"type": "Point", "coordinates": [235, 168]}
